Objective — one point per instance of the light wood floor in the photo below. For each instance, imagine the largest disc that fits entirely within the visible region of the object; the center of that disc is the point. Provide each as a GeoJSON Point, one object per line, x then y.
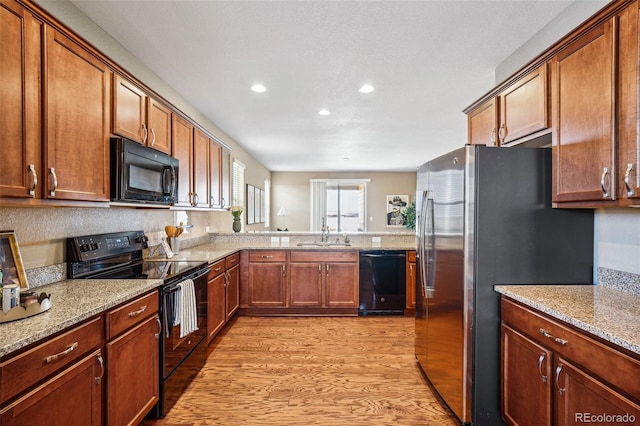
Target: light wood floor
{"type": "Point", "coordinates": [311, 371]}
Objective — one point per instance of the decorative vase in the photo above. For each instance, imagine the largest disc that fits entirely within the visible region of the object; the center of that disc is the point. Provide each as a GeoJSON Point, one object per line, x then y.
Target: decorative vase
{"type": "Point", "coordinates": [237, 226]}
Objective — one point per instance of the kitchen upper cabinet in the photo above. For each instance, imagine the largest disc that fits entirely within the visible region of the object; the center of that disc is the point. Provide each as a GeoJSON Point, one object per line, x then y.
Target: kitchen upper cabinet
{"type": "Point", "coordinates": [519, 110]}
{"type": "Point", "coordinates": [483, 123]}
{"type": "Point", "coordinates": [524, 107]}
{"type": "Point", "coordinates": [21, 38]}
{"type": "Point", "coordinates": [78, 95]}
{"type": "Point", "coordinates": [584, 109]}
{"type": "Point", "coordinates": [220, 177]}
{"type": "Point", "coordinates": [140, 117]}
{"type": "Point", "coordinates": [182, 149]}
{"type": "Point", "coordinates": [200, 186]}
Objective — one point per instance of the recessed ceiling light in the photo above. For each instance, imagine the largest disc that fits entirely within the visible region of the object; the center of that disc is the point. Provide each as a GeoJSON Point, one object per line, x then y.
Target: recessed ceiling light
{"type": "Point", "coordinates": [367, 88]}
{"type": "Point", "coordinates": [324, 112]}
{"type": "Point", "coordinates": [258, 88]}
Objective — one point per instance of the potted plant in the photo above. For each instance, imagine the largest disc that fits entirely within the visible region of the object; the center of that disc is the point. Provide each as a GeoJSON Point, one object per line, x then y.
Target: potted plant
{"type": "Point", "coordinates": [236, 211]}
{"type": "Point", "coordinates": [410, 216]}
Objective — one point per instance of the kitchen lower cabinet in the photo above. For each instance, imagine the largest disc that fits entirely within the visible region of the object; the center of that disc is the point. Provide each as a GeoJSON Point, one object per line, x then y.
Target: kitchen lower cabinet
{"type": "Point", "coordinates": [232, 288]}
{"type": "Point", "coordinates": [553, 374]}
{"type": "Point", "coordinates": [71, 398]}
{"type": "Point", "coordinates": [133, 370]}
{"type": "Point", "coordinates": [223, 293]}
{"type": "Point", "coordinates": [300, 282]}
{"type": "Point", "coordinates": [411, 282]}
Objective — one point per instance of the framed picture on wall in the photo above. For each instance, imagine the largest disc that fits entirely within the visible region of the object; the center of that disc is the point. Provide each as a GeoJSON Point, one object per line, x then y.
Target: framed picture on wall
{"type": "Point", "coordinates": [396, 206]}
{"type": "Point", "coordinates": [10, 260]}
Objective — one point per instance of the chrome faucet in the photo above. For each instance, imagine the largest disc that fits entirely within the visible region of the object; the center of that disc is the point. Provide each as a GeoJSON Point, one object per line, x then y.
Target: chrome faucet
{"type": "Point", "coordinates": [325, 231]}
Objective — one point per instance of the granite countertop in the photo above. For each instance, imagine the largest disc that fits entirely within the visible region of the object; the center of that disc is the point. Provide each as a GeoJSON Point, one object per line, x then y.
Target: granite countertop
{"type": "Point", "coordinates": [610, 314]}
{"type": "Point", "coordinates": [72, 301]}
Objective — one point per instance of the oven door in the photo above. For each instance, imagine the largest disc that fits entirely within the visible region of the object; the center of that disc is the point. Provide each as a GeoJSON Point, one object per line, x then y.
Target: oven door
{"type": "Point", "coordinates": [174, 349]}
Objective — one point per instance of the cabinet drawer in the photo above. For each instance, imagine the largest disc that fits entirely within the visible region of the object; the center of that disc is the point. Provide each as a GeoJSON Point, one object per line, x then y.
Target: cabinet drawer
{"type": "Point", "coordinates": [216, 269]}
{"type": "Point", "coordinates": [324, 256]}
{"type": "Point", "coordinates": [267, 256]}
{"type": "Point", "coordinates": [232, 260]}
{"type": "Point", "coordinates": [25, 370]}
{"type": "Point", "coordinates": [609, 364]}
{"type": "Point", "coordinates": [130, 314]}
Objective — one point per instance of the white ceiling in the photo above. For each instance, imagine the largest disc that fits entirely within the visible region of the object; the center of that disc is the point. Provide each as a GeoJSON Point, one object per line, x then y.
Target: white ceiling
{"type": "Point", "coordinates": [427, 60]}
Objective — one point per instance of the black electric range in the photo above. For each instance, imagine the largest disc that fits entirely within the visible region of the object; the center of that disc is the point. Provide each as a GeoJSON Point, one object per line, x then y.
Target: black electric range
{"type": "Point", "coordinates": [119, 255]}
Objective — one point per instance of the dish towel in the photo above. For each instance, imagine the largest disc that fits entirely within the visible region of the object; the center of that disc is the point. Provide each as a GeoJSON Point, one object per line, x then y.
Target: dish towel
{"type": "Point", "coordinates": [188, 314]}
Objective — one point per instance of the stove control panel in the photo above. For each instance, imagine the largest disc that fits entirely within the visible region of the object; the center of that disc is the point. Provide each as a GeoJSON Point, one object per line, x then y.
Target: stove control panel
{"type": "Point", "coordinates": [91, 247]}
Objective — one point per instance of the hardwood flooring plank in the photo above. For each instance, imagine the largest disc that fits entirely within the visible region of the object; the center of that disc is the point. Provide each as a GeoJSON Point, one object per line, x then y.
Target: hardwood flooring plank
{"type": "Point", "coordinates": [329, 371]}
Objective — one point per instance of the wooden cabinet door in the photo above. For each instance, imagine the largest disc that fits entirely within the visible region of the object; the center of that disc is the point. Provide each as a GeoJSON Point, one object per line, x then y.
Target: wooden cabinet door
{"type": "Point", "coordinates": [411, 285]}
{"type": "Point", "coordinates": [215, 175]}
{"type": "Point", "coordinates": [216, 315]}
{"type": "Point", "coordinates": [267, 284]}
{"type": "Point", "coordinates": [129, 110]}
{"type": "Point", "coordinates": [628, 109]}
{"type": "Point", "coordinates": [483, 124]}
{"type": "Point", "coordinates": [579, 398]}
{"type": "Point", "coordinates": [305, 284]}
{"type": "Point", "coordinates": [341, 285]}
{"type": "Point", "coordinates": [71, 398]}
{"type": "Point", "coordinates": [159, 125]}
{"type": "Point", "coordinates": [21, 38]}
{"type": "Point", "coordinates": [182, 149]}
{"type": "Point", "coordinates": [232, 291]}
{"type": "Point", "coordinates": [133, 373]}
{"type": "Point", "coordinates": [226, 178]}
{"type": "Point", "coordinates": [523, 107]}
{"type": "Point", "coordinates": [200, 188]}
{"type": "Point", "coordinates": [584, 110]}
{"type": "Point", "coordinates": [78, 90]}
{"type": "Point", "coordinates": [525, 380]}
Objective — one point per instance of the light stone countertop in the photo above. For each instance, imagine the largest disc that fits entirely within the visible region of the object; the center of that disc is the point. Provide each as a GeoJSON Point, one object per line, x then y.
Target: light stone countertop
{"type": "Point", "coordinates": [610, 314]}
{"type": "Point", "coordinates": [72, 301]}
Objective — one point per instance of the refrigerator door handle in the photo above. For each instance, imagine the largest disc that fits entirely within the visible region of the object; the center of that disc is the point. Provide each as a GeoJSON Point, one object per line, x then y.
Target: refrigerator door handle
{"type": "Point", "coordinates": [430, 251]}
{"type": "Point", "coordinates": [421, 250]}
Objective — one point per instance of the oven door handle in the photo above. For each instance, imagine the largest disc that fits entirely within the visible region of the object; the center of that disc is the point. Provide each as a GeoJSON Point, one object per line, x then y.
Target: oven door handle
{"type": "Point", "coordinates": [172, 288]}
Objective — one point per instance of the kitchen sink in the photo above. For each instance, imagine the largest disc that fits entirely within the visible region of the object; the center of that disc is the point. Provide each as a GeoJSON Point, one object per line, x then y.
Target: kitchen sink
{"type": "Point", "coordinates": [322, 244]}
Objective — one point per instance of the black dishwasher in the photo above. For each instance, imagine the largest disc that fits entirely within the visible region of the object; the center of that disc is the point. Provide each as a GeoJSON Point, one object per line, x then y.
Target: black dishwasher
{"type": "Point", "coordinates": [382, 282]}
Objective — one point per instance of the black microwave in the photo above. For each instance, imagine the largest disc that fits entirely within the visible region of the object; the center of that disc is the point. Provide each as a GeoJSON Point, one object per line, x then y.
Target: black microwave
{"type": "Point", "coordinates": [142, 175]}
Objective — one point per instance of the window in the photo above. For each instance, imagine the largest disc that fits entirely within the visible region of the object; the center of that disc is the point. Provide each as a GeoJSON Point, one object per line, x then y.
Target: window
{"type": "Point", "coordinates": [341, 203]}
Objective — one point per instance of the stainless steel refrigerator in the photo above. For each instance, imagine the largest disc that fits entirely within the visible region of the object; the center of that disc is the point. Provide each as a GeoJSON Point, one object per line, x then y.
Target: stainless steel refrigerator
{"type": "Point", "coordinates": [485, 218]}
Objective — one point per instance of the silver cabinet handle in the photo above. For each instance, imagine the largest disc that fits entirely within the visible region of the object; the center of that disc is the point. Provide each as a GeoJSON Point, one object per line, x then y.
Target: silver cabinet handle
{"type": "Point", "coordinates": [133, 314]}
{"type": "Point", "coordinates": [558, 371]}
{"type": "Point", "coordinates": [52, 173]}
{"type": "Point", "coordinates": [157, 335]}
{"type": "Point", "coordinates": [34, 179]}
{"type": "Point", "coordinates": [52, 358]}
{"type": "Point", "coordinates": [146, 134]}
{"type": "Point", "coordinates": [319, 268]}
{"type": "Point", "coordinates": [264, 256]}
{"type": "Point", "coordinates": [99, 378]}
{"type": "Point", "coordinates": [501, 133]}
{"type": "Point", "coordinates": [603, 184]}
{"type": "Point", "coordinates": [550, 336]}
{"type": "Point", "coordinates": [631, 191]}
{"type": "Point", "coordinates": [540, 361]}
{"type": "Point", "coordinates": [492, 138]}
{"type": "Point", "coordinates": [327, 268]}
{"type": "Point", "coordinates": [153, 137]}
{"type": "Point", "coordinates": [284, 268]}
{"type": "Point", "coordinates": [195, 199]}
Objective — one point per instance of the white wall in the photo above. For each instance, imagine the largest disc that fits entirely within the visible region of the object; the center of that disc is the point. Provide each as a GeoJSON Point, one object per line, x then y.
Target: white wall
{"type": "Point", "coordinates": [617, 231]}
